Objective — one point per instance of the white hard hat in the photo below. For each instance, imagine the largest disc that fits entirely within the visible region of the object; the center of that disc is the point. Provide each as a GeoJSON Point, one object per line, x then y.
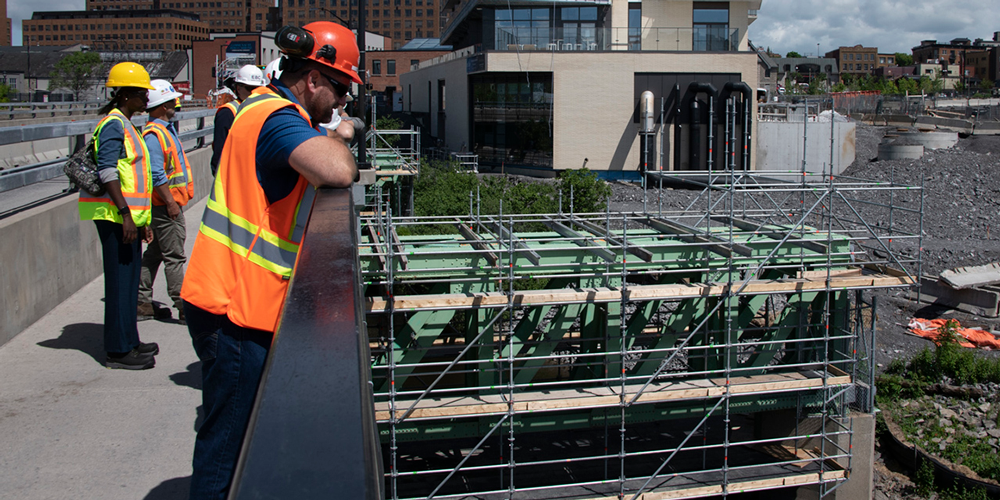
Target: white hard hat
{"type": "Point", "coordinates": [161, 92]}
{"type": "Point", "coordinates": [250, 75]}
{"type": "Point", "coordinates": [273, 69]}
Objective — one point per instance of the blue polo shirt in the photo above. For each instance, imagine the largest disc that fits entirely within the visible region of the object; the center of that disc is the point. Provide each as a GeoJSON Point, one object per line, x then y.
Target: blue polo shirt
{"type": "Point", "coordinates": [282, 132]}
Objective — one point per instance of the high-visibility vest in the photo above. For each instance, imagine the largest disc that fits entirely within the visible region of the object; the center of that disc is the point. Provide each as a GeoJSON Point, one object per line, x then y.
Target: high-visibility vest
{"type": "Point", "coordinates": [179, 178]}
{"type": "Point", "coordinates": [246, 247]}
{"type": "Point", "coordinates": [233, 106]}
{"type": "Point", "coordinates": [133, 174]}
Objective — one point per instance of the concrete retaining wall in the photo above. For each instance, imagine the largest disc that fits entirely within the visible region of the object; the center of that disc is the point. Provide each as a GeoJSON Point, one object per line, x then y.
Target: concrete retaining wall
{"type": "Point", "coordinates": [49, 254]}
{"type": "Point", "coordinates": [779, 147]}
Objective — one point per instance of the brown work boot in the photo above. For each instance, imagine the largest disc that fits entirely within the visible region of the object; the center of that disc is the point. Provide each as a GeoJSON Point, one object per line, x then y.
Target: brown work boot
{"type": "Point", "coordinates": [180, 316]}
{"type": "Point", "coordinates": [145, 311]}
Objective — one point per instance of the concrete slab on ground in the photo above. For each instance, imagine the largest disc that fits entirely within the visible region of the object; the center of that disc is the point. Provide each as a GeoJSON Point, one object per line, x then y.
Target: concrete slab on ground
{"type": "Point", "coordinates": [74, 429]}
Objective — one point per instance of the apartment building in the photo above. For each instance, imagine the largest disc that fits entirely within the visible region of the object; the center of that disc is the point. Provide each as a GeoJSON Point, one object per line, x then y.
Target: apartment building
{"type": "Point", "coordinates": [856, 61]}
{"type": "Point", "coordinates": [5, 33]}
{"type": "Point", "coordinates": [222, 17]}
{"type": "Point", "coordinates": [886, 60]}
{"type": "Point", "coordinates": [115, 30]}
{"type": "Point", "coordinates": [540, 88]}
{"type": "Point", "coordinates": [401, 20]}
{"type": "Point", "coordinates": [386, 66]}
{"type": "Point", "coordinates": [951, 56]}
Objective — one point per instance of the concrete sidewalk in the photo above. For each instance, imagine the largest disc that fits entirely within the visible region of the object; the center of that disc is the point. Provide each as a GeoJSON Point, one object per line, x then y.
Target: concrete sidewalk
{"type": "Point", "coordinates": [74, 429]}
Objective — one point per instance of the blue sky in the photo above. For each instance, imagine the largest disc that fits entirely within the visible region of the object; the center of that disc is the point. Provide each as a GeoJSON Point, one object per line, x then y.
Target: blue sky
{"type": "Point", "coordinates": [786, 25]}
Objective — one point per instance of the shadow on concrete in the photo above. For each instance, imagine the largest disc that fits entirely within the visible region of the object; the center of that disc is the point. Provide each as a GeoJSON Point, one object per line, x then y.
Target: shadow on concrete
{"type": "Point", "coordinates": [191, 378]}
{"type": "Point", "coordinates": [171, 489]}
{"type": "Point", "coordinates": [87, 338]}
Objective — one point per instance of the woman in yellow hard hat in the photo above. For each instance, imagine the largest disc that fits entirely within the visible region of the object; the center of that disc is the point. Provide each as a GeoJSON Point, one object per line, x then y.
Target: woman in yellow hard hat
{"type": "Point", "coordinates": [122, 214]}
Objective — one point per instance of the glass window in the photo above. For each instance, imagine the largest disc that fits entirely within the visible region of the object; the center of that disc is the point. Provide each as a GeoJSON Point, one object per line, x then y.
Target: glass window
{"type": "Point", "coordinates": [376, 67]}
{"type": "Point", "coordinates": [522, 138]}
{"type": "Point", "coordinates": [710, 22]}
{"type": "Point", "coordinates": [390, 67]}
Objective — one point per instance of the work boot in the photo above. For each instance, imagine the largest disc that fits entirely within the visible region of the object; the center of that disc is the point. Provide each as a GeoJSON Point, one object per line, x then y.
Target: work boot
{"type": "Point", "coordinates": [132, 360]}
{"type": "Point", "coordinates": [151, 348]}
{"type": "Point", "coordinates": [145, 311]}
{"type": "Point", "coordinates": [180, 316]}
{"type": "Point", "coordinates": [161, 313]}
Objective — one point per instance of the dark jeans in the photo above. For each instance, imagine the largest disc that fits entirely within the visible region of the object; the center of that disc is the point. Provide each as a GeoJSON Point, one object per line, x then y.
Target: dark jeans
{"type": "Point", "coordinates": [121, 287]}
{"type": "Point", "coordinates": [232, 363]}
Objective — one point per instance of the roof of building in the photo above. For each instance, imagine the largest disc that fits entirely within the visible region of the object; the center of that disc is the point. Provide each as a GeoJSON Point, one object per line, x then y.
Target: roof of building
{"type": "Point", "coordinates": [113, 14]}
{"type": "Point", "coordinates": [425, 44]}
{"type": "Point", "coordinates": [165, 65]}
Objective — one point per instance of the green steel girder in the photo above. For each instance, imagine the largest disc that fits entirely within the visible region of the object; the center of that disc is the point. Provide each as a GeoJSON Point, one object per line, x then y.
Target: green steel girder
{"type": "Point", "coordinates": [450, 255]}
{"type": "Point", "coordinates": [581, 419]}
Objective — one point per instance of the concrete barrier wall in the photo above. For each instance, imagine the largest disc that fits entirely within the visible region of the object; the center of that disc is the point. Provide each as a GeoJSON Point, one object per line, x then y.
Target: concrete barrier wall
{"type": "Point", "coordinates": [780, 148]}
{"type": "Point", "coordinates": [49, 254]}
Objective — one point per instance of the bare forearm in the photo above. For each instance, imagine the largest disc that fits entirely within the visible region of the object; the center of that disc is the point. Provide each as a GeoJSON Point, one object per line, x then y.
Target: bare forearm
{"type": "Point", "coordinates": [324, 161]}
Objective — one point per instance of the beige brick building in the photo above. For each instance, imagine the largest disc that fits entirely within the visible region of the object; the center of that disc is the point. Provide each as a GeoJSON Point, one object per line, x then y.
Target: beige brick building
{"type": "Point", "coordinates": [857, 60]}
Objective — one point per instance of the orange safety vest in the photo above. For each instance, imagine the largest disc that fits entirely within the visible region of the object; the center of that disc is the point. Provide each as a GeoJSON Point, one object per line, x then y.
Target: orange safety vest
{"type": "Point", "coordinates": [133, 175]}
{"type": "Point", "coordinates": [246, 247]}
{"type": "Point", "coordinates": [179, 179]}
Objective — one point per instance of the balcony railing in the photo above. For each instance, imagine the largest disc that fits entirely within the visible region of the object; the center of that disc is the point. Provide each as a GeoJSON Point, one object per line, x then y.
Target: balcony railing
{"type": "Point", "coordinates": [693, 39]}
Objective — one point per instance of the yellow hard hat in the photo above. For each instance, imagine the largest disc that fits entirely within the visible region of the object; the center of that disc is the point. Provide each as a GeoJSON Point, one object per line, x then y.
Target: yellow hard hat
{"type": "Point", "coordinates": [128, 74]}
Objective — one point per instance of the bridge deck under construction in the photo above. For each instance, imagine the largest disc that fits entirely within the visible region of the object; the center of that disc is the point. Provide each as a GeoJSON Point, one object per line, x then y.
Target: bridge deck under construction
{"type": "Point", "coordinates": [535, 356]}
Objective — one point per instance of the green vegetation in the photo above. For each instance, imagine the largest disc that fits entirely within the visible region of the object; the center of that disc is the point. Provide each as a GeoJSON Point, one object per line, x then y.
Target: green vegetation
{"type": "Point", "coordinates": [389, 123]}
{"type": "Point", "coordinates": [77, 72]}
{"type": "Point", "coordinates": [924, 478]}
{"type": "Point", "coordinates": [793, 54]}
{"type": "Point", "coordinates": [443, 189]}
{"type": "Point", "coordinates": [925, 84]}
{"type": "Point", "coordinates": [5, 92]}
{"type": "Point", "coordinates": [903, 59]}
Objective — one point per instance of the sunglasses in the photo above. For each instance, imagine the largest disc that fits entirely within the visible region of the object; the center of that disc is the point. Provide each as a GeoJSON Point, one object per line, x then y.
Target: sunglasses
{"type": "Point", "coordinates": [338, 87]}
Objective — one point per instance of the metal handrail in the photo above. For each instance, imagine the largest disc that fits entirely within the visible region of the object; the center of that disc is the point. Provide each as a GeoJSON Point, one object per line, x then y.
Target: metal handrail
{"type": "Point", "coordinates": [312, 432]}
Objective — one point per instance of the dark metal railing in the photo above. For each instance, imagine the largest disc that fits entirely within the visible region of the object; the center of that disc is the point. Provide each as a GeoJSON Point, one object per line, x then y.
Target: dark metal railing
{"type": "Point", "coordinates": [312, 433]}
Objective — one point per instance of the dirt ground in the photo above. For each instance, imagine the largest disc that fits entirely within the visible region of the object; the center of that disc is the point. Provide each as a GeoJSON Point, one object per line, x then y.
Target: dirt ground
{"type": "Point", "coordinates": [961, 227]}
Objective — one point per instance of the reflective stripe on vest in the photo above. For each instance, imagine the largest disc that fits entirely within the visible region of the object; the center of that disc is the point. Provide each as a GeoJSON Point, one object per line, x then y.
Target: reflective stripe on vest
{"type": "Point", "coordinates": [179, 178]}
{"type": "Point", "coordinates": [133, 176]}
{"type": "Point", "coordinates": [247, 245]}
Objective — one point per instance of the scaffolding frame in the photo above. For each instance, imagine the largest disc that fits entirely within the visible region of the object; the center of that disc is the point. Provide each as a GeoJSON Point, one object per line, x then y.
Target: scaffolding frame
{"type": "Point", "coordinates": [750, 300]}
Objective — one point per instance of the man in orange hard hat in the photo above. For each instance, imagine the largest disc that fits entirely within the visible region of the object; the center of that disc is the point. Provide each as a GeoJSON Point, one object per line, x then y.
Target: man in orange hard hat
{"type": "Point", "coordinates": [243, 257]}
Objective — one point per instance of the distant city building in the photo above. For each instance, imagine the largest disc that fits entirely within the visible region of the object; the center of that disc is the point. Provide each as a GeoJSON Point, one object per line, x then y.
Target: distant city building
{"type": "Point", "coordinates": [807, 68]}
{"type": "Point", "coordinates": [950, 56]}
{"type": "Point", "coordinates": [401, 20]}
{"type": "Point", "coordinates": [5, 34]}
{"type": "Point", "coordinates": [115, 30]}
{"type": "Point", "coordinates": [221, 17]}
{"type": "Point", "coordinates": [857, 60]}
{"type": "Point", "coordinates": [384, 68]}
{"type": "Point", "coordinates": [885, 60]}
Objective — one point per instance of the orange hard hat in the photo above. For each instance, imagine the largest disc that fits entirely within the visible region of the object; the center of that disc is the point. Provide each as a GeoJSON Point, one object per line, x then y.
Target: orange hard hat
{"type": "Point", "coordinates": [329, 44]}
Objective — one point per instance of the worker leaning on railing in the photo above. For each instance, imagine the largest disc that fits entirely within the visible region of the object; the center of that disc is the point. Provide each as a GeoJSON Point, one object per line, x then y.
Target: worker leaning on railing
{"type": "Point", "coordinates": [122, 214]}
{"type": "Point", "coordinates": [248, 241]}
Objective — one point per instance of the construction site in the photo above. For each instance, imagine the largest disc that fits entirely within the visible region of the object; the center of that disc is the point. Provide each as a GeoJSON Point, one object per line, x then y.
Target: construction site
{"type": "Point", "coordinates": [725, 345]}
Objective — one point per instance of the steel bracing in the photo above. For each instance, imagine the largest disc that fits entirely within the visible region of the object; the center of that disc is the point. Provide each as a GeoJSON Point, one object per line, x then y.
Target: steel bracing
{"type": "Point", "coordinates": [653, 354]}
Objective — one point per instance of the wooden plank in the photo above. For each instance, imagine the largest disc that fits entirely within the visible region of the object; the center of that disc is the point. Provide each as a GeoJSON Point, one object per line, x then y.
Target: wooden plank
{"type": "Point", "coordinates": [567, 399]}
{"type": "Point", "coordinates": [634, 293]}
{"type": "Point", "coordinates": [701, 491]}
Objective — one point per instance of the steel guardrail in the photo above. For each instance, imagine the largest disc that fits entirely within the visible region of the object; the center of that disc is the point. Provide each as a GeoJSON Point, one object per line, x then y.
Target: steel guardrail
{"type": "Point", "coordinates": [24, 175]}
{"type": "Point", "coordinates": [312, 432]}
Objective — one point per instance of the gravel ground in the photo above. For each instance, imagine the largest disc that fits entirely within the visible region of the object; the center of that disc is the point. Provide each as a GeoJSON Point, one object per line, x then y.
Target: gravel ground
{"type": "Point", "coordinates": [961, 227]}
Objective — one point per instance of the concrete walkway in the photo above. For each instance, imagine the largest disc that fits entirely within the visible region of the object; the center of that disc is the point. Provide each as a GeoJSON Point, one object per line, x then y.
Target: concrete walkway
{"type": "Point", "coordinates": [73, 429]}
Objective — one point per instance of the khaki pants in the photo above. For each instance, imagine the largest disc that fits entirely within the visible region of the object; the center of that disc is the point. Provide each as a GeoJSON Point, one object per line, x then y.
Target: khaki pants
{"type": "Point", "coordinates": [167, 247]}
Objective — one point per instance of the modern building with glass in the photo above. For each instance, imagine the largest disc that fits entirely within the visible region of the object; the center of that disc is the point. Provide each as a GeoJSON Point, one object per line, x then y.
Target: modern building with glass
{"type": "Point", "coordinates": [547, 86]}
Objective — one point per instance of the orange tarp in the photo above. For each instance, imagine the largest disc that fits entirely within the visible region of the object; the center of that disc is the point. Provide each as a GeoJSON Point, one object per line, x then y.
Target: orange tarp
{"type": "Point", "coordinates": [975, 337]}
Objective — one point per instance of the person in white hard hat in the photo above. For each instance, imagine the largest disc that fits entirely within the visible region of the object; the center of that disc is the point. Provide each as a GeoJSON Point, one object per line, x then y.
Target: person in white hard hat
{"type": "Point", "coordinates": [173, 188]}
{"type": "Point", "coordinates": [242, 84]}
{"type": "Point", "coordinates": [273, 70]}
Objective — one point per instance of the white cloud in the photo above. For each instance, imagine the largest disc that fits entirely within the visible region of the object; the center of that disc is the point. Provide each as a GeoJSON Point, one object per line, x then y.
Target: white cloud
{"type": "Point", "coordinates": [890, 25]}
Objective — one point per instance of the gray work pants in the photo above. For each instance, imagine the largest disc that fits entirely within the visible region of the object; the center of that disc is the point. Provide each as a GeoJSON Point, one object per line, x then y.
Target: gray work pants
{"type": "Point", "coordinates": [167, 247]}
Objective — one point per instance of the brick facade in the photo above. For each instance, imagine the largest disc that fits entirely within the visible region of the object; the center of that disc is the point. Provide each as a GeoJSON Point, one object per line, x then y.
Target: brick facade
{"type": "Point", "coordinates": [118, 30]}
{"type": "Point", "coordinates": [856, 60]}
{"type": "Point", "coordinates": [401, 20]}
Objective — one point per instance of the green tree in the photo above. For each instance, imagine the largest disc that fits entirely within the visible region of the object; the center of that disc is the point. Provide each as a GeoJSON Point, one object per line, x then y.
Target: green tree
{"type": "Point", "coordinates": [986, 85]}
{"type": "Point", "coordinates": [76, 72]}
{"type": "Point", "coordinates": [903, 59]}
{"type": "Point", "coordinates": [793, 54]}
{"type": "Point", "coordinates": [4, 93]}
